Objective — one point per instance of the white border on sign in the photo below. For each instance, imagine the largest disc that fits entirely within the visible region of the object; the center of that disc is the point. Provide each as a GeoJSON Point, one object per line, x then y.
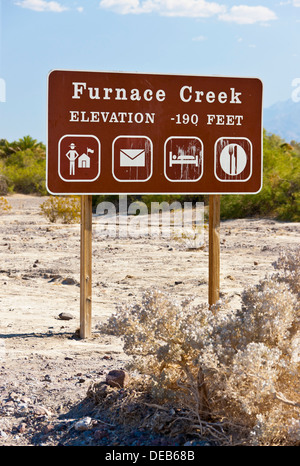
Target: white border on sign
{"type": "Point", "coordinates": [99, 157]}
{"type": "Point", "coordinates": [113, 158]}
{"type": "Point", "coordinates": [251, 160]}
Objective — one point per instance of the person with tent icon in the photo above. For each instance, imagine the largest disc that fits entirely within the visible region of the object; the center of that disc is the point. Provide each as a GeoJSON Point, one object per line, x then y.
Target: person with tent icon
{"type": "Point", "coordinates": [72, 155]}
{"type": "Point", "coordinates": [83, 159]}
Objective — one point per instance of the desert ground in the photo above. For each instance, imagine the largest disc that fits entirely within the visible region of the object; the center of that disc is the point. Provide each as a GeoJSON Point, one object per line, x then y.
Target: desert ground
{"type": "Point", "coordinates": [45, 369]}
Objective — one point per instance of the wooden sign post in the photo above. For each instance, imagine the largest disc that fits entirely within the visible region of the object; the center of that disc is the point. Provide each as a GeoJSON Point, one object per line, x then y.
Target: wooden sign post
{"type": "Point", "coordinates": [214, 249]}
{"type": "Point", "coordinates": [86, 267]}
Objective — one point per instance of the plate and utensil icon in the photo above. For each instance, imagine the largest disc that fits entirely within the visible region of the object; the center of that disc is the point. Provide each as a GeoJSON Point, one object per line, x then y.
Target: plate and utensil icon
{"type": "Point", "coordinates": [233, 159]}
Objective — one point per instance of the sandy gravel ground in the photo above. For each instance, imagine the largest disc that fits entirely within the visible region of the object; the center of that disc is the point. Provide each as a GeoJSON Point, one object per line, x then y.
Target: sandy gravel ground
{"type": "Point", "coordinates": [44, 369]}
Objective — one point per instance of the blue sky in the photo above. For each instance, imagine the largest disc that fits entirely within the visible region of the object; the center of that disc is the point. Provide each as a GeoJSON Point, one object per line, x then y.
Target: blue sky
{"type": "Point", "coordinates": [258, 38]}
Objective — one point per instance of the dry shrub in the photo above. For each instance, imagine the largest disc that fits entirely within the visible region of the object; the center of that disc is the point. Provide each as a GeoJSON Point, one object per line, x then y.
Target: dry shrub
{"type": "Point", "coordinates": [4, 205]}
{"type": "Point", "coordinates": [288, 266]}
{"type": "Point", "coordinates": [64, 208]}
{"type": "Point", "coordinates": [237, 371]}
{"type": "Point", "coordinates": [133, 406]}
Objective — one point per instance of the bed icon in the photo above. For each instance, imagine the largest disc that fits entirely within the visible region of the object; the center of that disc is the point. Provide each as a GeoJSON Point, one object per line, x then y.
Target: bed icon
{"type": "Point", "coordinates": [183, 159]}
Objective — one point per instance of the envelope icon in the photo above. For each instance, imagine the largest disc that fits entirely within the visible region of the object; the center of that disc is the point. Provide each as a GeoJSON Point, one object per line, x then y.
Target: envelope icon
{"type": "Point", "coordinates": [132, 158]}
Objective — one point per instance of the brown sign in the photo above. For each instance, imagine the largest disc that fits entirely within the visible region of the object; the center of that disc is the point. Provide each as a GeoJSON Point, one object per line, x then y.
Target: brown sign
{"type": "Point", "coordinates": [114, 133]}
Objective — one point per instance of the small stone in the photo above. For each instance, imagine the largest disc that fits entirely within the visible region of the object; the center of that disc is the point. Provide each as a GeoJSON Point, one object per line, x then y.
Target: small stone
{"type": "Point", "coordinates": [84, 424]}
{"type": "Point", "coordinates": [9, 406]}
{"type": "Point", "coordinates": [42, 411]}
{"type": "Point", "coordinates": [65, 316]}
{"type": "Point", "coordinates": [26, 399]}
{"type": "Point", "coordinates": [22, 408]}
{"type": "Point", "coordinates": [69, 281]}
{"type": "Point", "coordinates": [14, 396]}
{"type": "Point", "coordinates": [100, 434]}
{"type": "Point", "coordinates": [117, 378]}
{"type": "Point", "coordinates": [54, 278]}
{"type": "Point", "coordinates": [48, 428]}
{"type": "Point", "coordinates": [22, 428]}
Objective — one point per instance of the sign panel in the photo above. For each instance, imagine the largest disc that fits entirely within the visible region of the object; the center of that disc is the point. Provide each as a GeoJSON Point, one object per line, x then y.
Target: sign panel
{"type": "Point", "coordinates": [114, 133]}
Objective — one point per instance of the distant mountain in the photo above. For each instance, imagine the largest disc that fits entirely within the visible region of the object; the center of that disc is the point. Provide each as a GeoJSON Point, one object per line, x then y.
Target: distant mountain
{"type": "Point", "coordinates": [283, 119]}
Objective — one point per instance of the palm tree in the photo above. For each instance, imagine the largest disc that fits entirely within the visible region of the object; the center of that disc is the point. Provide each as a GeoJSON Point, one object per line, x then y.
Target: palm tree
{"type": "Point", "coordinates": [5, 148]}
{"type": "Point", "coordinates": [27, 142]}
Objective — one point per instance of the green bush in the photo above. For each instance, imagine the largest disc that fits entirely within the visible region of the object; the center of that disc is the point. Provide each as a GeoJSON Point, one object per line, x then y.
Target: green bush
{"type": "Point", "coordinates": [27, 176]}
{"type": "Point", "coordinates": [23, 164]}
{"type": "Point", "coordinates": [280, 195]}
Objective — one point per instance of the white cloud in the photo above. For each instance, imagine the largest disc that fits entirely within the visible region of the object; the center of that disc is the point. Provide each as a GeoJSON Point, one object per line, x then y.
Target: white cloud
{"type": "Point", "coordinates": [244, 14]}
{"type": "Point", "coordinates": [290, 2]}
{"type": "Point", "coordinates": [187, 8]}
{"type": "Point", "coordinates": [199, 38]}
{"type": "Point", "coordinates": [241, 14]}
{"type": "Point", "coordinates": [122, 6]}
{"type": "Point", "coordinates": [192, 8]}
{"type": "Point", "coordinates": [42, 5]}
